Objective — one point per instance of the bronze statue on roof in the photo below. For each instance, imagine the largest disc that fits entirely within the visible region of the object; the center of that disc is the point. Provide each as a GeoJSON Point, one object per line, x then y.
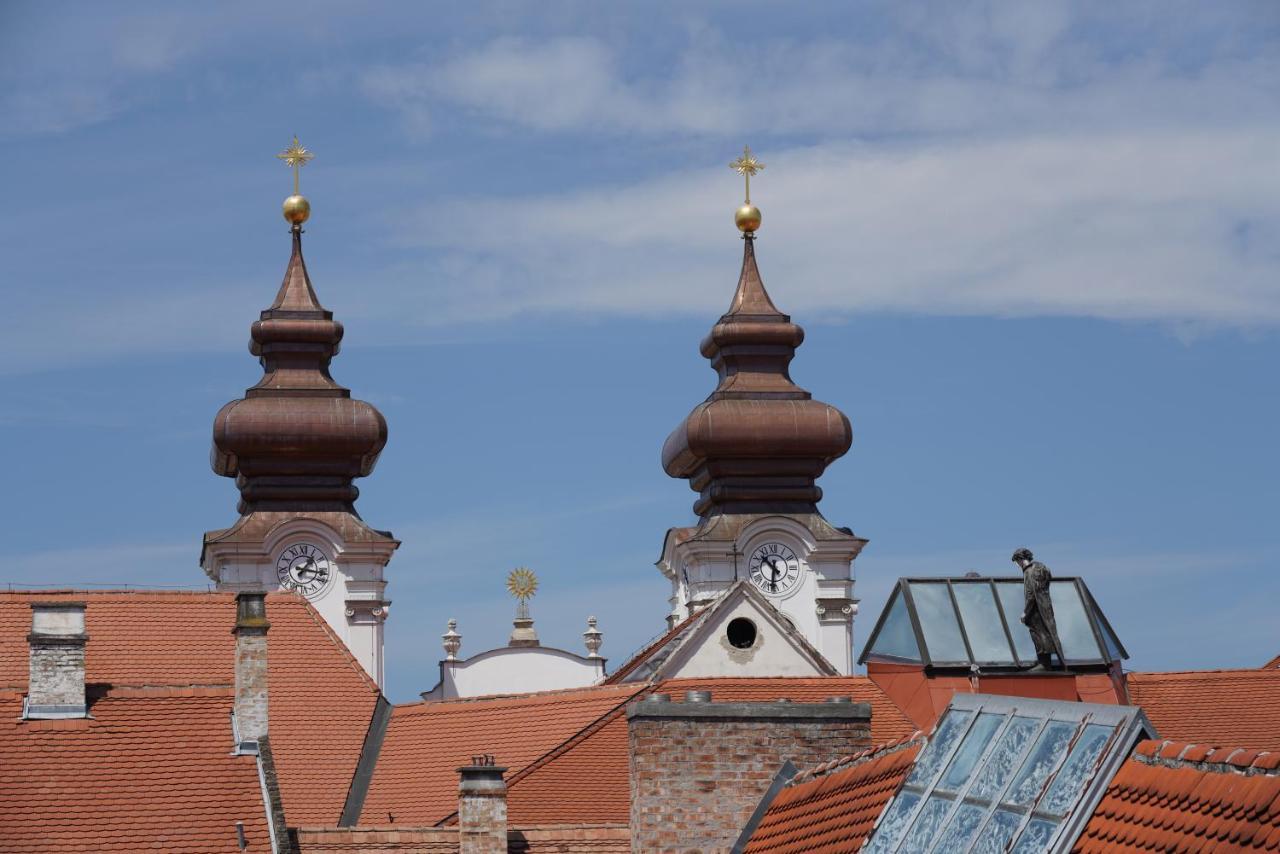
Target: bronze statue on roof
{"type": "Point", "coordinates": [1037, 612]}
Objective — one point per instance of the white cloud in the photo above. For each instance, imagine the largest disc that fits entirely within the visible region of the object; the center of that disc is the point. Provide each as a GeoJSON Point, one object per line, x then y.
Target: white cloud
{"type": "Point", "coordinates": [1160, 224]}
{"type": "Point", "coordinates": [1019, 69]}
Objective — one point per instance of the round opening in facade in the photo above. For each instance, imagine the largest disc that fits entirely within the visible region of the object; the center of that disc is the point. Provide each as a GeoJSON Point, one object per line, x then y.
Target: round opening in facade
{"type": "Point", "coordinates": [741, 633]}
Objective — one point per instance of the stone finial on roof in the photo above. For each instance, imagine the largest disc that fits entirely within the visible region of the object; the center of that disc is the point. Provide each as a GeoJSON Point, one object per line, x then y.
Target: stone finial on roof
{"type": "Point", "coordinates": [452, 641]}
{"type": "Point", "coordinates": [593, 638]}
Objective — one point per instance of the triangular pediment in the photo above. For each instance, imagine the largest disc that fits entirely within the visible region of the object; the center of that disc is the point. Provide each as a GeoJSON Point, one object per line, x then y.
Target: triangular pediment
{"type": "Point", "coordinates": [740, 635]}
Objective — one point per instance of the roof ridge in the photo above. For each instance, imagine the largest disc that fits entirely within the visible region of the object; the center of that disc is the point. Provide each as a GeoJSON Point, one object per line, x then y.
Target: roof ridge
{"type": "Point", "coordinates": [860, 758]}
{"type": "Point", "coordinates": [1242, 671]}
{"type": "Point", "coordinates": [646, 652]}
{"type": "Point", "coordinates": [338, 642]}
{"type": "Point", "coordinates": [565, 746]}
{"type": "Point", "coordinates": [1217, 760]}
{"type": "Point", "coordinates": [602, 687]}
{"type": "Point", "coordinates": [114, 591]}
{"type": "Point", "coordinates": [726, 679]}
{"type": "Point", "coordinates": [579, 736]}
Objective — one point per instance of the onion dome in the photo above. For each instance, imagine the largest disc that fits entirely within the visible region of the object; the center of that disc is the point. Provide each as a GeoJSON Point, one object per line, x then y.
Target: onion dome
{"type": "Point", "coordinates": [759, 443]}
{"type": "Point", "coordinates": [297, 439]}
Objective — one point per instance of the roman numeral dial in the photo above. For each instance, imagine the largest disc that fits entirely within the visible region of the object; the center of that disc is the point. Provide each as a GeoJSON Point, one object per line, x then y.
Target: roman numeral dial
{"type": "Point", "coordinates": [306, 569]}
{"type": "Point", "coordinates": [774, 569]}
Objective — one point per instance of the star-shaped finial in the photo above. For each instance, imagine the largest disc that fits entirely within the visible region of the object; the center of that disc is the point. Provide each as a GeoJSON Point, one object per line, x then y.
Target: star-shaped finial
{"type": "Point", "coordinates": [522, 583]}
{"type": "Point", "coordinates": [295, 156]}
{"type": "Point", "coordinates": [747, 166]}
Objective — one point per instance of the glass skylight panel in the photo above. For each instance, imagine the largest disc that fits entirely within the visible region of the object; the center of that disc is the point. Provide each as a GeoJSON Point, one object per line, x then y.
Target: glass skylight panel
{"type": "Point", "coordinates": [1078, 640]}
{"type": "Point", "coordinates": [895, 637]}
{"type": "Point", "coordinates": [1011, 599]}
{"type": "Point", "coordinates": [938, 623]}
{"type": "Point", "coordinates": [1007, 774]}
{"type": "Point", "coordinates": [982, 622]}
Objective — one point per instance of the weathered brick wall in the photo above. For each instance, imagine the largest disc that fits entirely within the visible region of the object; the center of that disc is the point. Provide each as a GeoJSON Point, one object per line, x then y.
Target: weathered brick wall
{"type": "Point", "coordinates": [482, 808]}
{"type": "Point", "coordinates": [251, 683]}
{"type": "Point", "coordinates": [57, 672]}
{"type": "Point", "coordinates": [482, 824]}
{"type": "Point", "coordinates": [698, 769]}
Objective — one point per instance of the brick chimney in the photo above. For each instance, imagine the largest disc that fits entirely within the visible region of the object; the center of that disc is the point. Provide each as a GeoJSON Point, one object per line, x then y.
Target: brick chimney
{"type": "Point", "coordinates": [482, 807]}
{"type": "Point", "coordinates": [57, 641]}
{"type": "Point", "coordinates": [251, 669]}
{"type": "Point", "coordinates": [699, 768]}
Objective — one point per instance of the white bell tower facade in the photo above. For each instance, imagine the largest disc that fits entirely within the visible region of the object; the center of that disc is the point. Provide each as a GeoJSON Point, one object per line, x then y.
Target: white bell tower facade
{"type": "Point", "coordinates": [802, 566]}
{"type": "Point", "coordinates": [753, 451]}
{"type": "Point", "coordinates": [295, 443]}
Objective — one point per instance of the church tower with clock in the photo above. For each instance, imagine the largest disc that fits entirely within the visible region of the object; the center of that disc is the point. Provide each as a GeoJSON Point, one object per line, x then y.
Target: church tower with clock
{"type": "Point", "coordinates": [294, 443]}
{"type": "Point", "coordinates": [753, 451]}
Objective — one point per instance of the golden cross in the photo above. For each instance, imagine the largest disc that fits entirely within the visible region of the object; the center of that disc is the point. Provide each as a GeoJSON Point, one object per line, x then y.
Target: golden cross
{"type": "Point", "coordinates": [297, 157]}
{"type": "Point", "coordinates": [746, 166]}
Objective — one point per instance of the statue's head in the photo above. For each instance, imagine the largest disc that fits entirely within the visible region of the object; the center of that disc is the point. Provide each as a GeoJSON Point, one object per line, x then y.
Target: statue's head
{"type": "Point", "coordinates": [1022, 557]}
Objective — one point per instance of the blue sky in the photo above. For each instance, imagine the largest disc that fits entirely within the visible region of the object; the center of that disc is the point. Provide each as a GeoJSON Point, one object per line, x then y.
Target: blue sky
{"type": "Point", "coordinates": [1036, 249]}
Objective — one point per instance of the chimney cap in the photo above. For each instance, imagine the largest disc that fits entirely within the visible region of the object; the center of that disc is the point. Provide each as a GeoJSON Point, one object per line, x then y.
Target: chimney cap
{"type": "Point", "coordinates": [251, 610]}
{"type": "Point", "coordinates": [697, 696]}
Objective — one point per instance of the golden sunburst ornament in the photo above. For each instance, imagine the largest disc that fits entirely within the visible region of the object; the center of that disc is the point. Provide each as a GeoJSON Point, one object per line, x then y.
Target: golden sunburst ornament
{"type": "Point", "coordinates": [522, 583]}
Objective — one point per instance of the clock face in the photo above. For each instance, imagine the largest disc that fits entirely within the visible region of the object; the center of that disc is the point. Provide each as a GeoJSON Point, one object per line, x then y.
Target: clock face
{"type": "Point", "coordinates": [774, 568]}
{"type": "Point", "coordinates": [304, 568]}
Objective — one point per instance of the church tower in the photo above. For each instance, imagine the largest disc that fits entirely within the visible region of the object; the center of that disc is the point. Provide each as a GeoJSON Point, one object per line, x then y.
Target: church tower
{"type": "Point", "coordinates": [294, 443]}
{"type": "Point", "coordinates": [753, 452]}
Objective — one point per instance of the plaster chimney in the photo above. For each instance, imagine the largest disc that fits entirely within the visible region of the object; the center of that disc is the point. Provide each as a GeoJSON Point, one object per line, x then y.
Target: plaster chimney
{"type": "Point", "coordinates": [251, 669]}
{"type": "Point", "coordinates": [482, 807]}
{"type": "Point", "coordinates": [57, 641]}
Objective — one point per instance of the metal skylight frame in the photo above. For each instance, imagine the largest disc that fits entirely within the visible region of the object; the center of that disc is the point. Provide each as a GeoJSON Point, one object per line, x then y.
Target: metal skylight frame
{"type": "Point", "coordinates": [1104, 636]}
{"type": "Point", "coordinates": [1128, 725]}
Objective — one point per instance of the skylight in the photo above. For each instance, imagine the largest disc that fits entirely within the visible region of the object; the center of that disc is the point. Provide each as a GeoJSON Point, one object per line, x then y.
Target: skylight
{"type": "Point", "coordinates": [1008, 774]}
{"type": "Point", "coordinates": [968, 622]}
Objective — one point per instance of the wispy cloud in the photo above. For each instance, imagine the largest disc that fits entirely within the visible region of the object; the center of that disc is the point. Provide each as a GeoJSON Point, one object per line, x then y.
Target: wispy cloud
{"type": "Point", "coordinates": [1142, 225]}
{"type": "Point", "coordinates": [950, 70]}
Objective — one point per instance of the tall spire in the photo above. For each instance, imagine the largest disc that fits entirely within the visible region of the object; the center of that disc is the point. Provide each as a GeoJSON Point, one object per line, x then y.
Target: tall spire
{"type": "Point", "coordinates": [297, 439]}
{"type": "Point", "coordinates": [759, 442]}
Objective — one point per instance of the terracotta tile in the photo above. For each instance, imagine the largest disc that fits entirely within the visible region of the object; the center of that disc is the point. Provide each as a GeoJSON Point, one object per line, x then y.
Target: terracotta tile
{"type": "Point", "coordinates": [1236, 707]}
{"type": "Point", "coordinates": [834, 812]}
{"type": "Point", "coordinates": [120, 781]}
{"type": "Point", "coordinates": [321, 700]}
{"type": "Point", "coordinates": [1191, 806]}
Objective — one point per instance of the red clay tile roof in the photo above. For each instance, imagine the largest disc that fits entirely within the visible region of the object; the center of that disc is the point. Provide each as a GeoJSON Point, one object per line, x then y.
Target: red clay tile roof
{"type": "Point", "coordinates": [832, 808]}
{"type": "Point", "coordinates": [1173, 796]}
{"type": "Point", "coordinates": [416, 779]}
{"type": "Point", "coordinates": [587, 778]}
{"type": "Point", "coordinates": [1275, 662]}
{"type": "Point", "coordinates": [150, 770]}
{"type": "Point", "coordinates": [321, 700]}
{"type": "Point", "coordinates": [1240, 707]}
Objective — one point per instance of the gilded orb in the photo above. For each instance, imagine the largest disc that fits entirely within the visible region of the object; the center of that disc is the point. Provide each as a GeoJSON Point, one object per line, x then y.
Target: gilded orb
{"type": "Point", "coordinates": [297, 209]}
{"type": "Point", "coordinates": [747, 218]}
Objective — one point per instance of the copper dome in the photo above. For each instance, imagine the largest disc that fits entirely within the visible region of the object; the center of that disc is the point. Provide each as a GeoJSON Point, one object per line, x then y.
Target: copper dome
{"type": "Point", "coordinates": [759, 442]}
{"type": "Point", "coordinates": [297, 439]}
